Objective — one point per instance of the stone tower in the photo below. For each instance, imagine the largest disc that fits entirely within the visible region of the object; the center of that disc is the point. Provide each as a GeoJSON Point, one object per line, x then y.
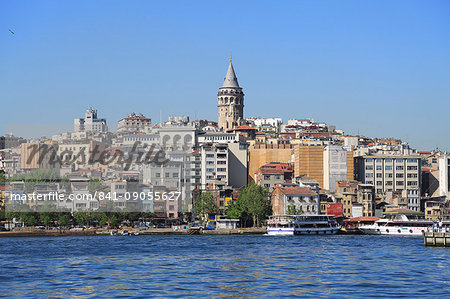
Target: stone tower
{"type": "Point", "coordinates": [230, 102]}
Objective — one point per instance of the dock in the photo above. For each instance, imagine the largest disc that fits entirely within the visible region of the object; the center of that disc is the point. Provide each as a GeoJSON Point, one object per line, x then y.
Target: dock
{"type": "Point", "coordinates": [436, 239]}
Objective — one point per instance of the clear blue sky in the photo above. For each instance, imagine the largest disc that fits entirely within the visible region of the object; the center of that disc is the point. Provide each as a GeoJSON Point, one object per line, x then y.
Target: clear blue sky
{"type": "Point", "coordinates": [380, 68]}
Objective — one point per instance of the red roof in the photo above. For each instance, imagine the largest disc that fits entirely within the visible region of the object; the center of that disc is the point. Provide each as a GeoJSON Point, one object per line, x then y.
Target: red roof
{"type": "Point", "coordinates": [295, 191]}
{"type": "Point", "coordinates": [242, 128]}
{"type": "Point", "coordinates": [347, 184]}
{"type": "Point", "coordinates": [271, 170]}
{"type": "Point", "coordinates": [245, 128]}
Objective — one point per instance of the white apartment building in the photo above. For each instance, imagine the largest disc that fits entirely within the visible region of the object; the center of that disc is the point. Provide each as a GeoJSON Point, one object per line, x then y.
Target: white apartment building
{"type": "Point", "coordinates": [389, 173]}
{"type": "Point", "coordinates": [214, 166]}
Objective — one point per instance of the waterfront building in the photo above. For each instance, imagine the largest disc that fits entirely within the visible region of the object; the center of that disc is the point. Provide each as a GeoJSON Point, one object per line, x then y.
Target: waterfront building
{"type": "Point", "coordinates": [366, 198]}
{"type": "Point", "coordinates": [357, 199]}
{"type": "Point", "coordinates": [347, 192]}
{"type": "Point", "coordinates": [90, 122]}
{"type": "Point", "coordinates": [230, 102]}
{"type": "Point", "coordinates": [437, 208]}
{"type": "Point", "coordinates": [284, 199]}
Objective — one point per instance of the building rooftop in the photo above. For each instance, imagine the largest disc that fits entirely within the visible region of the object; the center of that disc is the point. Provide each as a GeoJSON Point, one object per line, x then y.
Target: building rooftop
{"type": "Point", "coordinates": [230, 78]}
{"type": "Point", "coordinates": [295, 191]}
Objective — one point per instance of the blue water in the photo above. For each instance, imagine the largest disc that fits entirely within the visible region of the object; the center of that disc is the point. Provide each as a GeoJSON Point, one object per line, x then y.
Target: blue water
{"type": "Point", "coordinates": [222, 266]}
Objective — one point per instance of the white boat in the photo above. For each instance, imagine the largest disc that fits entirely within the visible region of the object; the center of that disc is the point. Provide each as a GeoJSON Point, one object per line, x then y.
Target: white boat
{"type": "Point", "coordinates": [398, 224]}
{"type": "Point", "coordinates": [280, 225]}
{"type": "Point", "coordinates": [289, 225]}
{"type": "Point", "coordinates": [316, 225]}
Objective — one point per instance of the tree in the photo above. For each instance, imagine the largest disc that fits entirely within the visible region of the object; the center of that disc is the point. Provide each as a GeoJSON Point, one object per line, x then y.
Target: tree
{"type": "Point", "coordinates": [46, 220]}
{"type": "Point", "coordinates": [101, 218]}
{"type": "Point", "coordinates": [29, 219]}
{"type": "Point", "coordinates": [113, 220]}
{"type": "Point", "coordinates": [235, 210]}
{"type": "Point", "coordinates": [64, 221]}
{"type": "Point", "coordinates": [255, 202]}
{"type": "Point", "coordinates": [292, 210]}
{"type": "Point", "coordinates": [82, 218]}
{"type": "Point", "coordinates": [205, 204]}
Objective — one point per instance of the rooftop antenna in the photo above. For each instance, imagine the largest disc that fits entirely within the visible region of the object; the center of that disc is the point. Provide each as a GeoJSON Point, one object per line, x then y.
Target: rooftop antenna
{"type": "Point", "coordinates": [160, 115]}
{"type": "Point", "coordinates": [231, 57]}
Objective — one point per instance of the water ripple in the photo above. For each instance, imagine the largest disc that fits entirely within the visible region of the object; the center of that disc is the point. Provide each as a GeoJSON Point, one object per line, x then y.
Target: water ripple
{"type": "Point", "coordinates": [222, 266]}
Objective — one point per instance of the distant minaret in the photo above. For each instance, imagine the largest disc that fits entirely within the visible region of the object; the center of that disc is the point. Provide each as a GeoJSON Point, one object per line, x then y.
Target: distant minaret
{"type": "Point", "coordinates": [230, 101]}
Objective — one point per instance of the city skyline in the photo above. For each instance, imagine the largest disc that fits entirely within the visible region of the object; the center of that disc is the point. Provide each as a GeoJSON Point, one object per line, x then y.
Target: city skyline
{"type": "Point", "coordinates": [378, 83]}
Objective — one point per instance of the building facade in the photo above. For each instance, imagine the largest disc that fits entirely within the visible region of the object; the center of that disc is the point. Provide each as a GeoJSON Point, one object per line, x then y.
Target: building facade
{"type": "Point", "coordinates": [273, 174]}
{"type": "Point", "coordinates": [389, 173]}
{"type": "Point", "coordinates": [90, 122]}
{"type": "Point", "coordinates": [134, 123]}
{"type": "Point", "coordinates": [303, 199]}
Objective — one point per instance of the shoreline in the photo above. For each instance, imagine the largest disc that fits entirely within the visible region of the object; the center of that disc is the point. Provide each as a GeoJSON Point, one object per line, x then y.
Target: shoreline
{"type": "Point", "coordinates": [152, 231]}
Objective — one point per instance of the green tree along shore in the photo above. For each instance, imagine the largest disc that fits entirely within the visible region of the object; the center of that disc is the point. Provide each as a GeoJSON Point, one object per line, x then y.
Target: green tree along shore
{"type": "Point", "coordinates": [252, 206]}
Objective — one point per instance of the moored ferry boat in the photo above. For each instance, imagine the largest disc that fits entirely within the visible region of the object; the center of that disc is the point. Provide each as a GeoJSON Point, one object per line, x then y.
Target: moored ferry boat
{"type": "Point", "coordinates": [288, 225]}
{"type": "Point", "coordinates": [399, 222]}
{"type": "Point", "coordinates": [316, 225]}
{"type": "Point", "coordinates": [280, 225]}
{"type": "Point", "coordinates": [351, 226]}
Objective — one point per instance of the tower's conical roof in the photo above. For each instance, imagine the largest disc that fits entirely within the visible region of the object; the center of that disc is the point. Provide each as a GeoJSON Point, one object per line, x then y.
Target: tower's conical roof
{"type": "Point", "coordinates": [230, 78]}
